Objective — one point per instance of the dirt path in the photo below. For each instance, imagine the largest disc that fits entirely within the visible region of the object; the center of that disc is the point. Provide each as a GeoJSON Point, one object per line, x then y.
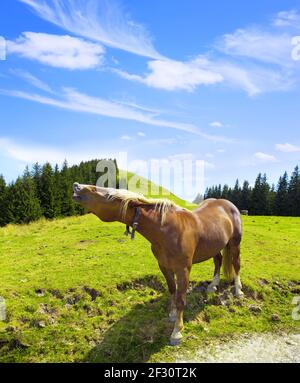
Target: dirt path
{"type": "Point", "coordinates": [263, 348]}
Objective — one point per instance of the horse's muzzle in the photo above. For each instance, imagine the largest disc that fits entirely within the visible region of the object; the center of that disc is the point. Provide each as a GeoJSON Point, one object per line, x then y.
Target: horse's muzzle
{"type": "Point", "coordinates": [76, 188]}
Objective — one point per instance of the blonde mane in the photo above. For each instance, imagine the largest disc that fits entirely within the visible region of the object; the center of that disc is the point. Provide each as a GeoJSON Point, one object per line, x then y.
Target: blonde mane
{"type": "Point", "coordinates": [161, 205]}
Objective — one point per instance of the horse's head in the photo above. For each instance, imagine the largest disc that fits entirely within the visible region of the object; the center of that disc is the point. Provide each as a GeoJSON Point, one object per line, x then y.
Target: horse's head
{"type": "Point", "coordinates": [96, 200]}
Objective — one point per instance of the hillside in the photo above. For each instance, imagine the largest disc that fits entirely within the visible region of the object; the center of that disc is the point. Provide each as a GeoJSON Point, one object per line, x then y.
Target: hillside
{"type": "Point", "coordinates": [77, 290]}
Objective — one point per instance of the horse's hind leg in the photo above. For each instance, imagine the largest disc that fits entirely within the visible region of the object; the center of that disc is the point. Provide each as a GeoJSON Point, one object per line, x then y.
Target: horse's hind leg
{"type": "Point", "coordinates": [235, 251]}
{"type": "Point", "coordinates": [170, 279]}
{"type": "Point", "coordinates": [213, 286]}
{"type": "Point", "coordinates": [182, 286]}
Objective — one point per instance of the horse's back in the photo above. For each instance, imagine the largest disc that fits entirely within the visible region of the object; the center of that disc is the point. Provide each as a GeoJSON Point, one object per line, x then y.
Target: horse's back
{"type": "Point", "coordinates": [216, 208]}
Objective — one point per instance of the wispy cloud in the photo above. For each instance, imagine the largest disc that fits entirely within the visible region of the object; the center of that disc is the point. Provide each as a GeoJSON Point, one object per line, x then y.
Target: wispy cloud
{"type": "Point", "coordinates": [287, 148]}
{"type": "Point", "coordinates": [31, 79]}
{"type": "Point", "coordinates": [256, 43]}
{"type": "Point", "coordinates": [104, 21]}
{"type": "Point", "coordinates": [79, 102]}
{"type": "Point", "coordinates": [264, 157]}
{"type": "Point", "coordinates": [57, 51]}
{"type": "Point", "coordinates": [30, 153]}
{"type": "Point", "coordinates": [289, 18]}
{"type": "Point", "coordinates": [255, 59]}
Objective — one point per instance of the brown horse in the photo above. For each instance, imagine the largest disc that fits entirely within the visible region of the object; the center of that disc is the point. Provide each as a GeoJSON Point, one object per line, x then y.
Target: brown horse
{"type": "Point", "coordinates": [179, 237]}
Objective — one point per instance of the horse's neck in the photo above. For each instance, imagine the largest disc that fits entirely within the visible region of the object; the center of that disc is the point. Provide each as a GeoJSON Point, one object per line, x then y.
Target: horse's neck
{"type": "Point", "coordinates": [149, 222]}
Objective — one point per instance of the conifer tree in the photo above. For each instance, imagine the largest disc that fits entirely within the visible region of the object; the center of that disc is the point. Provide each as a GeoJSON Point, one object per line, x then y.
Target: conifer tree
{"type": "Point", "coordinates": [47, 191]}
{"type": "Point", "coordinates": [281, 199]}
{"type": "Point", "coordinates": [245, 196]}
{"type": "Point", "coordinates": [67, 204]}
{"type": "Point", "coordinates": [4, 207]}
{"type": "Point", "coordinates": [24, 203]}
{"type": "Point", "coordinates": [294, 193]}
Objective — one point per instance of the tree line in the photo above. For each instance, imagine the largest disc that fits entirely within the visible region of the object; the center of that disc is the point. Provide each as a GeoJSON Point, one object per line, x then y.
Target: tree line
{"type": "Point", "coordinates": [45, 191]}
{"type": "Point", "coordinates": [263, 199]}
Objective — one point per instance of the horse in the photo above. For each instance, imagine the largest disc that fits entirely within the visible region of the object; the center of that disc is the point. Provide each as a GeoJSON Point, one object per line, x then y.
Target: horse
{"type": "Point", "coordinates": [179, 237]}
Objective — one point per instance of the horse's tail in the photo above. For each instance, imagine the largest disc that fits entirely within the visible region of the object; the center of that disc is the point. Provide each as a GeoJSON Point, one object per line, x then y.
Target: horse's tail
{"type": "Point", "coordinates": [228, 268]}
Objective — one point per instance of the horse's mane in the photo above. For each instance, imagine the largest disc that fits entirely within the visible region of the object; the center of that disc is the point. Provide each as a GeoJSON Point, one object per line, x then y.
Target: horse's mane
{"type": "Point", "coordinates": [129, 198]}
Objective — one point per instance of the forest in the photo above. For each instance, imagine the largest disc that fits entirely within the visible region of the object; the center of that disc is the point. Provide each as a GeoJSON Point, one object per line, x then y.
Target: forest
{"type": "Point", "coordinates": [46, 191]}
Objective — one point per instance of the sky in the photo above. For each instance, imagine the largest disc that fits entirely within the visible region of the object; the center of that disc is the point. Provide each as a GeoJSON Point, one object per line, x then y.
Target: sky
{"type": "Point", "coordinates": [167, 80]}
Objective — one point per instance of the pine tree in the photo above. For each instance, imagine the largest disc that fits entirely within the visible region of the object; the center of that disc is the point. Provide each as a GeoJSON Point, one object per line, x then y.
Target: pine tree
{"type": "Point", "coordinates": [236, 195]}
{"type": "Point", "coordinates": [67, 204]}
{"type": "Point", "coordinates": [225, 192]}
{"type": "Point", "coordinates": [4, 208]}
{"type": "Point", "coordinates": [294, 193]}
{"type": "Point", "coordinates": [24, 202]}
{"type": "Point", "coordinates": [57, 192]}
{"type": "Point", "coordinates": [245, 196]}
{"type": "Point", "coordinates": [281, 199]}
{"type": "Point", "coordinates": [47, 191]}
{"type": "Point", "coordinates": [260, 196]}
{"type": "Point", "coordinates": [272, 198]}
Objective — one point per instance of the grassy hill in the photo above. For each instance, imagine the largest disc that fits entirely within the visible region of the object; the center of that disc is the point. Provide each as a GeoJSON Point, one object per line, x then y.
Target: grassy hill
{"type": "Point", "coordinates": [78, 290]}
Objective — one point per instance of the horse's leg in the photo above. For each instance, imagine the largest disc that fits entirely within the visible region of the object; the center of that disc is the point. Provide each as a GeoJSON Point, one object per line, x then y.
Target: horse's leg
{"type": "Point", "coordinates": [170, 279]}
{"type": "Point", "coordinates": [235, 251]}
{"type": "Point", "coordinates": [216, 280]}
{"type": "Point", "coordinates": [182, 286]}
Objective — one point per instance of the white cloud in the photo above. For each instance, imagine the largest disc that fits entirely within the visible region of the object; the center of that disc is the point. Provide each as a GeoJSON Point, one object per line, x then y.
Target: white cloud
{"type": "Point", "coordinates": [175, 75]}
{"type": "Point", "coordinates": [249, 77]}
{"type": "Point", "coordinates": [287, 148]}
{"type": "Point", "coordinates": [126, 138]}
{"type": "Point", "coordinates": [287, 19]}
{"type": "Point", "coordinates": [102, 21]}
{"type": "Point", "coordinates": [141, 134]}
{"type": "Point", "coordinates": [79, 102]}
{"type": "Point", "coordinates": [57, 51]}
{"type": "Point", "coordinates": [264, 157]}
{"type": "Point", "coordinates": [258, 44]}
{"type": "Point", "coordinates": [216, 124]}
{"type": "Point", "coordinates": [33, 80]}
{"type": "Point", "coordinates": [252, 78]}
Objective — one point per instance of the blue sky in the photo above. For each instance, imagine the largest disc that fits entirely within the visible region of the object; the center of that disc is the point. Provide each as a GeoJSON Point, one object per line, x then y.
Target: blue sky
{"type": "Point", "coordinates": [212, 81]}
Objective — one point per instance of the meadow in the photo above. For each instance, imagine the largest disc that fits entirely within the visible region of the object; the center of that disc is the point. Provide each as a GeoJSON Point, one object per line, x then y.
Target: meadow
{"type": "Point", "coordinates": [77, 290]}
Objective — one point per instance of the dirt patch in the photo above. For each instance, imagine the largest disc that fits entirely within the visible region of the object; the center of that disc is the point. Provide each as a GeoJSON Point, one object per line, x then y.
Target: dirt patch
{"type": "Point", "coordinates": [142, 283]}
{"type": "Point", "coordinates": [256, 348]}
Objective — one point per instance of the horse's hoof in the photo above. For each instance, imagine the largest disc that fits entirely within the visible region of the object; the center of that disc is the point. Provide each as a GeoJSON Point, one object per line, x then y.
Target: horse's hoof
{"type": "Point", "coordinates": [175, 342]}
{"type": "Point", "coordinates": [176, 338]}
{"type": "Point", "coordinates": [239, 294]}
{"type": "Point", "coordinates": [211, 289]}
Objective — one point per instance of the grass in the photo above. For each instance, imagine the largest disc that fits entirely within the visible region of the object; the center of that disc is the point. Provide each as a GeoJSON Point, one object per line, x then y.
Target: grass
{"type": "Point", "coordinates": [76, 290]}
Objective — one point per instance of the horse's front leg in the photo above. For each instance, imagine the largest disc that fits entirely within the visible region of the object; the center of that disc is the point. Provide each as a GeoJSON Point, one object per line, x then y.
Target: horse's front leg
{"type": "Point", "coordinates": [182, 286]}
{"type": "Point", "coordinates": [170, 279]}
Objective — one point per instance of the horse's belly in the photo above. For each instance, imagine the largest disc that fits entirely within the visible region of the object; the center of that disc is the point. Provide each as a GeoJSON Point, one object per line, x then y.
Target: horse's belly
{"type": "Point", "coordinates": [206, 251]}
